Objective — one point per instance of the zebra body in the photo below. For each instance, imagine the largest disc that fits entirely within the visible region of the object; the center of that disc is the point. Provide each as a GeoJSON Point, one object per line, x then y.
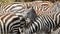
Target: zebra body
{"type": "Point", "coordinates": [40, 7]}
{"type": "Point", "coordinates": [20, 7]}
{"type": "Point", "coordinates": [45, 22]}
{"type": "Point", "coordinates": [36, 27]}
{"type": "Point", "coordinates": [14, 8]}
{"type": "Point", "coordinates": [10, 23]}
{"type": "Point", "coordinates": [41, 23]}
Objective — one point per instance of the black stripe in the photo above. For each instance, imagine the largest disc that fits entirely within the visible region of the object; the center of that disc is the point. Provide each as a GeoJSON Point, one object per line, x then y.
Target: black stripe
{"type": "Point", "coordinates": [8, 18]}
{"type": "Point", "coordinates": [12, 22]}
{"type": "Point", "coordinates": [49, 22]}
{"type": "Point", "coordinates": [13, 6]}
{"type": "Point", "coordinates": [53, 25]}
{"type": "Point", "coordinates": [16, 6]}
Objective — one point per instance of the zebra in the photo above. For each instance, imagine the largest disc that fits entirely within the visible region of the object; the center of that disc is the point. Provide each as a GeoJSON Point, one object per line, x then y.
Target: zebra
{"type": "Point", "coordinates": [10, 23]}
{"type": "Point", "coordinates": [15, 7]}
{"type": "Point", "coordinates": [20, 8]}
{"type": "Point", "coordinates": [40, 7]}
{"type": "Point", "coordinates": [9, 17]}
{"type": "Point", "coordinates": [44, 23]}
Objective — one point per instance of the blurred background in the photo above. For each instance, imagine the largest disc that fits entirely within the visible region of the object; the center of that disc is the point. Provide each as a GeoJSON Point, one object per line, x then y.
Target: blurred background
{"type": "Point", "coordinates": [9, 1]}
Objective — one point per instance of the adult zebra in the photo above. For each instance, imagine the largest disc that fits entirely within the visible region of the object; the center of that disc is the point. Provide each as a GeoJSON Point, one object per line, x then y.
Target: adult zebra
{"type": "Point", "coordinates": [10, 23]}
{"type": "Point", "coordinates": [18, 8]}
{"type": "Point", "coordinates": [47, 17]}
{"type": "Point", "coordinates": [45, 22]}
{"type": "Point", "coordinates": [22, 6]}
{"type": "Point", "coordinates": [10, 20]}
{"type": "Point", "coordinates": [40, 7]}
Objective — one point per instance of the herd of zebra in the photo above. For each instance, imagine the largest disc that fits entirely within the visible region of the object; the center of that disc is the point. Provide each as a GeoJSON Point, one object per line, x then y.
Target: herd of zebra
{"type": "Point", "coordinates": [30, 17]}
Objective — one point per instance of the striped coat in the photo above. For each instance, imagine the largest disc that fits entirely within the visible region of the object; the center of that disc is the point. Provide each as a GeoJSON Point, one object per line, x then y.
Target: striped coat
{"type": "Point", "coordinates": [46, 22]}
{"type": "Point", "coordinates": [10, 23]}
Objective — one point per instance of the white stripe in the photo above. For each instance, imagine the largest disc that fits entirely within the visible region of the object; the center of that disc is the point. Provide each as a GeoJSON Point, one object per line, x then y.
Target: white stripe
{"type": "Point", "coordinates": [36, 23]}
{"type": "Point", "coordinates": [17, 21]}
{"type": "Point", "coordinates": [12, 6]}
{"type": "Point", "coordinates": [17, 8]}
{"type": "Point", "coordinates": [2, 25]}
{"type": "Point", "coordinates": [33, 26]}
{"type": "Point", "coordinates": [9, 21]}
{"type": "Point", "coordinates": [6, 7]}
{"type": "Point", "coordinates": [6, 17]}
{"type": "Point", "coordinates": [58, 18]}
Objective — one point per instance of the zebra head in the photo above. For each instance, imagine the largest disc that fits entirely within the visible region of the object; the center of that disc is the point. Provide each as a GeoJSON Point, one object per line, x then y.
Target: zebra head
{"type": "Point", "coordinates": [29, 15]}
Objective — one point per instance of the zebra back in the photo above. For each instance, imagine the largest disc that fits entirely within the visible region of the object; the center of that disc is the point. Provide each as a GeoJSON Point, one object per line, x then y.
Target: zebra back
{"type": "Point", "coordinates": [41, 7]}
{"type": "Point", "coordinates": [20, 7]}
{"type": "Point", "coordinates": [14, 7]}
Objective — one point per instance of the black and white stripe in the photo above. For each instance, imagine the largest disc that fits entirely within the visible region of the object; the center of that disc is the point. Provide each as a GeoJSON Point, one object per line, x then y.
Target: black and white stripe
{"type": "Point", "coordinates": [20, 6]}
{"type": "Point", "coordinates": [45, 22]}
{"type": "Point", "coordinates": [15, 7]}
{"type": "Point", "coordinates": [10, 23]}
